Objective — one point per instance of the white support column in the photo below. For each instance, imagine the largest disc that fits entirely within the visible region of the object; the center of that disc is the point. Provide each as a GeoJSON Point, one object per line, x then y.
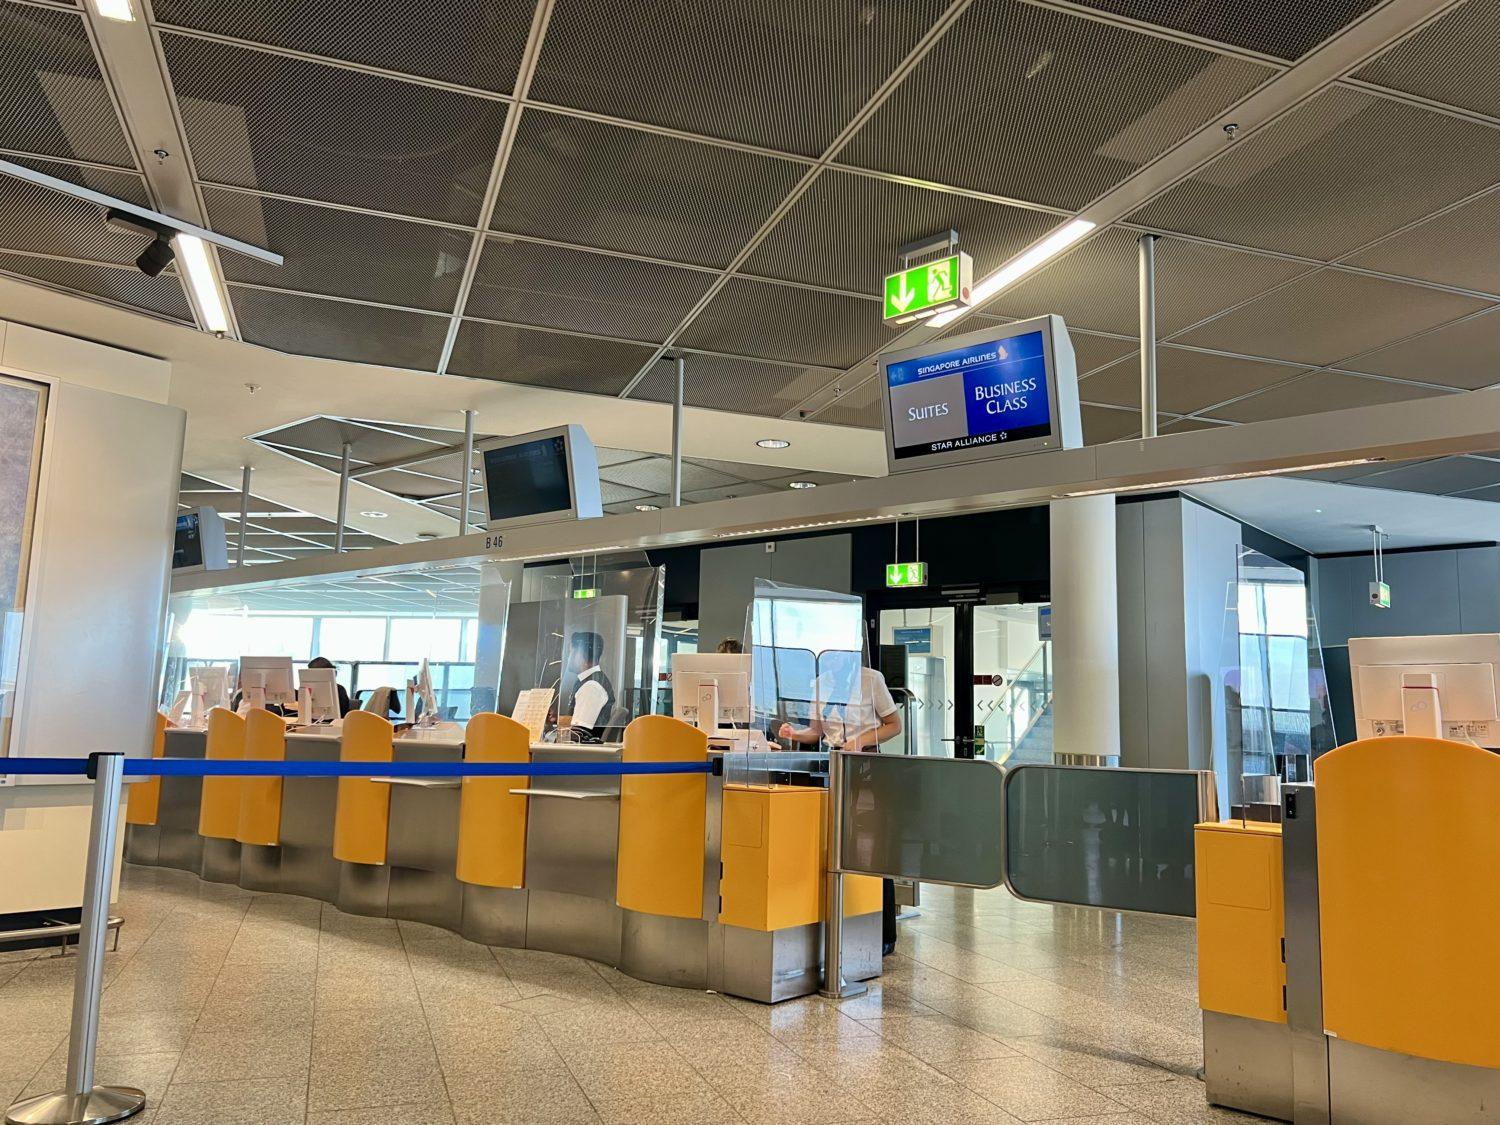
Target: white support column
{"type": "Point", "coordinates": [1085, 627]}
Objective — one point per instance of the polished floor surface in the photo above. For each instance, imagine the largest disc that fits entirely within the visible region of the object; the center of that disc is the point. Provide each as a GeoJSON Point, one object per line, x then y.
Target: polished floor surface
{"type": "Point", "coordinates": [233, 1007]}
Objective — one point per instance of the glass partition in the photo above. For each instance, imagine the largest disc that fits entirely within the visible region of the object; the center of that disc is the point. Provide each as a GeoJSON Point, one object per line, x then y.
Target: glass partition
{"type": "Point", "coordinates": [22, 408]}
{"type": "Point", "coordinates": [807, 685]}
{"type": "Point", "coordinates": [1277, 715]}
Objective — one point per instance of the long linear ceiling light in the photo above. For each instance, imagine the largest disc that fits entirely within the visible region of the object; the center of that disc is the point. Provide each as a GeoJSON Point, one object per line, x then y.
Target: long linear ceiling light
{"type": "Point", "coordinates": [115, 10]}
{"type": "Point", "coordinates": [1018, 267]}
{"type": "Point", "coordinates": [203, 281]}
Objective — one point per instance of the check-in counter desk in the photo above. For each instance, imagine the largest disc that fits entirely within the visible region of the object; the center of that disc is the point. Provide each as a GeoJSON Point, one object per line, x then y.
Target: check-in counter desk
{"type": "Point", "coordinates": [679, 879]}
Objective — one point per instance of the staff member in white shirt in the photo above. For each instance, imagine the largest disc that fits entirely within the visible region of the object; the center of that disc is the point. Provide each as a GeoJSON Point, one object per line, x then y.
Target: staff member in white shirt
{"type": "Point", "coordinates": [860, 724]}
{"type": "Point", "coordinates": [594, 695]}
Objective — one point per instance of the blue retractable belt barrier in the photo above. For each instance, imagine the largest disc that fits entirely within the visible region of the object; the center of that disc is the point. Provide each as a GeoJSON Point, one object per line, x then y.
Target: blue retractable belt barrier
{"type": "Point", "coordinates": [234, 767]}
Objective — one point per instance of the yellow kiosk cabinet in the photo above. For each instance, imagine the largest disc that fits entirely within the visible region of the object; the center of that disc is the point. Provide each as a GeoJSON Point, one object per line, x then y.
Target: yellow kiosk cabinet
{"type": "Point", "coordinates": [260, 797]}
{"type": "Point", "coordinates": [661, 848]}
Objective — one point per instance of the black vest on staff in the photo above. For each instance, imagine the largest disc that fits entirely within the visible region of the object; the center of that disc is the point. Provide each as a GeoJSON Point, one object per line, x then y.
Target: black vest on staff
{"type": "Point", "coordinates": [595, 732]}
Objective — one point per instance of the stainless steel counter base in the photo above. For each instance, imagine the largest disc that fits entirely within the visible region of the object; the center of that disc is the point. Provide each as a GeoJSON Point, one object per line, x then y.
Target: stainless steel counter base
{"type": "Point", "coordinates": [1247, 1064]}
{"type": "Point", "coordinates": [568, 905]}
{"type": "Point", "coordinates": [1370, 1085]}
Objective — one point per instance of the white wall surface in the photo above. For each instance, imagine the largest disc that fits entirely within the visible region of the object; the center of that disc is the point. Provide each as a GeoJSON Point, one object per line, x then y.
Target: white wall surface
{"type": "Point", "coordinates": [101, 553]}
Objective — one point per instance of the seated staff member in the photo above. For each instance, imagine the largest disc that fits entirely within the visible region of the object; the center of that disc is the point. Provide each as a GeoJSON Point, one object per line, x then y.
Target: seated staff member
{"type": "Point", "coordinates": [859, 725]}
{"type": "Point", "coordinates": [593, 695]}
{"type": "Point", "coordinates": [344, 705]}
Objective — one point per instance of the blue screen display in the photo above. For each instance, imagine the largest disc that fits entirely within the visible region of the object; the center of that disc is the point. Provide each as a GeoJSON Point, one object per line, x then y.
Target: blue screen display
{"type": "Point", "coordinates": [984, 394]}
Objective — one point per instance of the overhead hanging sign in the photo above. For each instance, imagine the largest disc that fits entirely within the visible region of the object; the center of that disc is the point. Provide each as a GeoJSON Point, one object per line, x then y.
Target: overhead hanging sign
{"type": "Point", "coordinates": [900, 575]}
{"type": "Point", "coordinates": [981, 395]}
{"type": "Point", "coordinates": [928, 289]}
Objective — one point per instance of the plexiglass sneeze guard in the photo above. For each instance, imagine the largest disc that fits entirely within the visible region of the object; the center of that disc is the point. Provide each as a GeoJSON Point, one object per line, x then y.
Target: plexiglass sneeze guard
{"type": "Point", "coordinates": [806, 649]}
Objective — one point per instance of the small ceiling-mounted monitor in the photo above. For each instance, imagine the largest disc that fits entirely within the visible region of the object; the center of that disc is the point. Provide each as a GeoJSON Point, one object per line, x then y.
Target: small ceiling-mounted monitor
{"type": "Point", "coordinates": [982, 395]}
{"type": "Point", "coordinates": [198, 543]}
{"type": "Point", "coordinates": [540, 477]}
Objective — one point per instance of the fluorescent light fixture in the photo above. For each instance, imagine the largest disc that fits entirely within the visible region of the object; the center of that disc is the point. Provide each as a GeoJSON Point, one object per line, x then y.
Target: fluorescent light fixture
{"type": "Point", "coordinates": [197, 266]}
{"type": "Point", "coordinates": [115, 10]}
{"type": "Point", "coordinates": [648, 507]}
{"type": "Point", "coordinates": [773, 443]}
{"type": "Point", "coordinates": [1249, 474]}
{"type": "Point", "coordinates": [802, 484]}
{"type": "Point", "coordinates": [1017, 268]}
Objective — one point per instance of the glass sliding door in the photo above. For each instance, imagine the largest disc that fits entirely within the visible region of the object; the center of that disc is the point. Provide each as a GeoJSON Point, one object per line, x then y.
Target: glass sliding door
{"type": "Point", "coordinates": [23, 407]}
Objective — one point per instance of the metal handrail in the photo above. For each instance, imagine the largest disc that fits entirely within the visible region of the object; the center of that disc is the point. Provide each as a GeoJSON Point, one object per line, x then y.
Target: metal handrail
{"type": "Point", "coordinates": [1041, 696]}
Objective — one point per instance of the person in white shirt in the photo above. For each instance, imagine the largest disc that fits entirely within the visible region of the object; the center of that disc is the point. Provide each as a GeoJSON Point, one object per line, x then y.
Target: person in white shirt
{"type": "Point", "coordinates": [594, 695]}
{"type": "Point", "coordinates": [856, 723]}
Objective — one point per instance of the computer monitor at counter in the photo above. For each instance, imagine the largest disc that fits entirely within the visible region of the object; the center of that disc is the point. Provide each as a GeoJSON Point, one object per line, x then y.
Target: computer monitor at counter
{"type": "Point", "coordinates": [1440, 686]}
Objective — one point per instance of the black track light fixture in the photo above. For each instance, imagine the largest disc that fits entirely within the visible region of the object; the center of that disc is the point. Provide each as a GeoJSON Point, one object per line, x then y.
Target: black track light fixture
{"type": "Point", "coordinates": [158, 254]}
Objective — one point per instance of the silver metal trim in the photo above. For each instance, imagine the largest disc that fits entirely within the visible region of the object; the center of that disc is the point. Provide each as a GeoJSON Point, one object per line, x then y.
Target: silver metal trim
{"type": "Point", "coordinates": [52, 183]}
{"type": "Point", "coordinates": [569, 794]}
{"type": "Point", "coordinates": [342, 519]}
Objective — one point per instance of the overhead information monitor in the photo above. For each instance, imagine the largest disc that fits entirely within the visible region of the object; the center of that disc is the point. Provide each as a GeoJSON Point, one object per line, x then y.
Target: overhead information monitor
{"type": "Point", "coordinates": [198, 541]}
{"type": "Point", "coordinates": [539, 477]}
{"type": "Point", "coordinates": [982, 395]}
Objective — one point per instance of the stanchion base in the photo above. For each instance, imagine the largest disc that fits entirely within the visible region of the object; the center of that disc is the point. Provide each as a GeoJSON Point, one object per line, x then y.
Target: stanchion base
{"type": "Point", "coordinates": [103, 1103]}
{"type": "Point", "coordinates": [847, 990]}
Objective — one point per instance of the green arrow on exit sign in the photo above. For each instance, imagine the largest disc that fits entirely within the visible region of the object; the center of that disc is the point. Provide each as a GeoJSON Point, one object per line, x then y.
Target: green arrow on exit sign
{"type": "Point", "coordinates": [928, 289]}
{"type": "Point", "coordinates": [898, 575]}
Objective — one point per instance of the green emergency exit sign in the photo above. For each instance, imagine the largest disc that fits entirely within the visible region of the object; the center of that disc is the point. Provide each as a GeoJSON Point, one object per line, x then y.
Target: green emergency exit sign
{"type": "Point", "coordinates": [586, 592]}
{"type": "Point", "coordinates": [931, 288]}
{"type": "Point", "coordinates": [901, 575]}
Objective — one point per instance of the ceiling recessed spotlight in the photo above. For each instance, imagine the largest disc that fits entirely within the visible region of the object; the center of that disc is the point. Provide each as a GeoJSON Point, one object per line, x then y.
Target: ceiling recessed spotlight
{"type": "Point", "coordinates": [802, 484]}
{"type": "Point", "coordinates": [373, 515]}
{"type": "Point", "coordinates": [773, 443]}
{"type": "Point", "coordinates": [648, 507]}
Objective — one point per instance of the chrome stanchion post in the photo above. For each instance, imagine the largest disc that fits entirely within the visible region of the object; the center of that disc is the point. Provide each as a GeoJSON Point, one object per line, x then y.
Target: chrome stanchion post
{"type": "Point", "coordinates": [834, 985]}
{"type": "Point", "coordinates": [81, 1102]}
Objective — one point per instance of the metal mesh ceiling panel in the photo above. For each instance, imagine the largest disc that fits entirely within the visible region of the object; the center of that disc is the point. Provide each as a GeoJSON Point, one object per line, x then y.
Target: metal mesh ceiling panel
{"type": "Point", "coordinates": [35, 218]}
{"type": "Point", "coordinates": [339, 330]}
{"type": "Point", "coordinates": [126, 286]}
{"type": "Point", "coordinates": [413, 264]}
{"type": "Point", "coordinates": [468, 42]}
{"type": "Point", "coordinates": [1466, 354]}
{"type": "Point", "coordinates": [746, 386]}
{"type": "Point", "coordinates": [1457, 248]}
{"type": "Point", "coordinates": [1441, 476]}
{"type": "Point", "coordinates": [859, 407]}
{"type": "Point", "coordinates": [845, 230]}
{"type": "Point", "coordinates": [533, 283]}
{"type": "Point", "coordinates": [654, 474]}
{"type": "Point", "coordinates": [54, 98]}
{"type": "Point", "coordinates": [545, 359]}
{"type": "Point", "coordinates": [1452, 60]}
{"type": "Point", "coordinates": [1318, 392]}
{"type": "Point", "coordinates": [1036, 104]}
{"type": "Point", "coordinates": [1096, 286]}
{"type": "Point", "coordinates": [1091, 351]}
{"type": "Point", "coordinates": [623, 189]}
{"type": "Point", "coordinates": [1263, 26]}
{"type": "Point", "coordinates": [796, 325]}
{"type": "Point", "coordinates": [1102, 425]}
{"type": "Point", "coordinates": [323, 132]}
{"type": "Point", "coordinates": [1329, 317]}
{"type": "Point", "coordinates": [1332, 175]}
{"type": "Point", "coordinates": [1185, 381]}
{"type": "Point", "coordinates": [783, 74]}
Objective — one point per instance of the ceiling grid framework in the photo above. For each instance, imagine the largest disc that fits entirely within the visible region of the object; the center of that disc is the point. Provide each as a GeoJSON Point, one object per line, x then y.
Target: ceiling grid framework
{"type": "Point", "coordinates": [654, 214]}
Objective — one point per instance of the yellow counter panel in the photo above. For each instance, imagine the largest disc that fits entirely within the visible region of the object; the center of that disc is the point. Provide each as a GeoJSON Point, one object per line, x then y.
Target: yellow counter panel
{"type": "Point", "coordinates": [661, 845]}
{"type": "Point", "coordinates": [491, 817]}
{"type": "Point", "coordinates": [1241, 920]}
{"type": "Point", "coordinates": [143, 798]}
{"type": "Point", "coordinates": [219, 811]}
{"type": "Point", "coordinates": [361, 824]}
{"type": "Point", "coordinates": [260, 797]}
{"type": "Point", "coordinates": [1409, 897]}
